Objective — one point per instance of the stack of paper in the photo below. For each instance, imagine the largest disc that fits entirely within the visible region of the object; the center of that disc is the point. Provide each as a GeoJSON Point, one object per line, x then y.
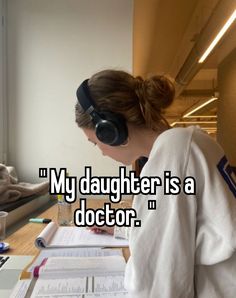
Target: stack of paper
{"type": "Point", "coordinates": [72, 264]}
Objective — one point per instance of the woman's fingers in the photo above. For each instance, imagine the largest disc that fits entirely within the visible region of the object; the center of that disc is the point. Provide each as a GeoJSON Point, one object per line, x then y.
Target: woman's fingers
{"type": "Point", "coordinates": [96, 230]}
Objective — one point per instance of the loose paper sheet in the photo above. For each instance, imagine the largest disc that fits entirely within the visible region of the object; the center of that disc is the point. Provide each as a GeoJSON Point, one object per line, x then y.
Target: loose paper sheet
{"type": "Point", "coordinates": [74, 252]}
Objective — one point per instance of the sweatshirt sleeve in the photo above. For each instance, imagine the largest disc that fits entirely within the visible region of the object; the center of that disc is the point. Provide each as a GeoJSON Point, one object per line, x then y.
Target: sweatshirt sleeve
{"type": "Point", "coordinates": [185, 229]}
{"type": "Point", "coordinates": [216, 192]}
{"type": "Point", "coordinates": [163, 248]}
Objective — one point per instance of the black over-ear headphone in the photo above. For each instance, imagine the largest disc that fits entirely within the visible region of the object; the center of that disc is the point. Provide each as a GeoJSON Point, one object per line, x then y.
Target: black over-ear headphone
{"type": "Point", "coordinates": [110, 128]}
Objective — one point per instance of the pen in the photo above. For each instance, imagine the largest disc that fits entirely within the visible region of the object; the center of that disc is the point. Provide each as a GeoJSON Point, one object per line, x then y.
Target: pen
{"type": "Point", "coordinates": [40, 220]}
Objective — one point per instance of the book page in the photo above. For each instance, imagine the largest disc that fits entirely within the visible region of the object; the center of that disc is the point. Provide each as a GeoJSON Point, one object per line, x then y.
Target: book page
{"type": "Point", "coordinates": [20, 289]}
{"type": "Point", "coordinates": [105, 295]}
{"type": "Point", "coordinates": [69, 287]}
{"type": "Point", "coordinates": [46, 235]}
{"type": "Point", "coordinates": [78, 236]}
{"type": "Point", "coordinates": [60, 287]}
{"type": "Point", "coordinates": [74, 266]}
{"type": "Point", "coordinates": [74, 252]}
{"type": "Point", "coordinates": [101, 295]}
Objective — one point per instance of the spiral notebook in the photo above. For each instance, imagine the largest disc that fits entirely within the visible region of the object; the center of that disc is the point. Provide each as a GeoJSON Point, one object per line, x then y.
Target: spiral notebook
{"type": "Point", "coordinates": [54, 236]}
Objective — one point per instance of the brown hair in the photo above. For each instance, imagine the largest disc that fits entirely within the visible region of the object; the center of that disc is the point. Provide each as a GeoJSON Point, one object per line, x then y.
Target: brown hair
{"type": "Point", "coordinates": [141, 102]}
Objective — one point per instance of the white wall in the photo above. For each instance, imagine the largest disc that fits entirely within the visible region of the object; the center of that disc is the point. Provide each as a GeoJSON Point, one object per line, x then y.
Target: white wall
{"type": "Point", "coordinates": [3, 111]}
{"type": "Point", "coordinates": [1, 85]}
{"type": "Point", "coordinates": [53, 46]}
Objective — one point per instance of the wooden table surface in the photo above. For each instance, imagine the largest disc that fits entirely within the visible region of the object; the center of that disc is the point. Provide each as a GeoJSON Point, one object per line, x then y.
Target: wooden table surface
{"type": "Point", "coordinates": [22, 241]}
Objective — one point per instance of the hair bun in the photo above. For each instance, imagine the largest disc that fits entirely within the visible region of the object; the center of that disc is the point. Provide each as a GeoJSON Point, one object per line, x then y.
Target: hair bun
{"type": "Point", "coordinates": [160, 91]}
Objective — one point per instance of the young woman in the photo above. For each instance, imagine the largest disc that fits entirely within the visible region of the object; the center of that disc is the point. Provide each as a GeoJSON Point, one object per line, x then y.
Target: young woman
{"type": "Point", "coordinates": [186, 247]}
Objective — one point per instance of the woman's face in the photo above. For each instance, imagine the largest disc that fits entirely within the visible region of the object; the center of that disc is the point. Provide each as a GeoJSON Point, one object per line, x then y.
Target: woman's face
{"type": "Point", "coordinates": [124, 154]}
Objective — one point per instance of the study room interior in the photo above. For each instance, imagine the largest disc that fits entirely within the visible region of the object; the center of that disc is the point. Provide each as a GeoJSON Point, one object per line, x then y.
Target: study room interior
{"type": "Point", "coordinates": [47, 48]}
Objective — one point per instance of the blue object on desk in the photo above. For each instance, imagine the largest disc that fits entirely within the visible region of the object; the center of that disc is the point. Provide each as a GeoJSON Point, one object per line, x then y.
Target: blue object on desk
{"type": "Point", "coordinates": [4, 246]}
{"type": "Point", "coordinates": [40, 220]}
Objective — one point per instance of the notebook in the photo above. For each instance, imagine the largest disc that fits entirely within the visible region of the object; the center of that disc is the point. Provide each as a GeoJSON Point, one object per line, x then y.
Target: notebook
{"type": "Point", "coordinates": [54, 236]}
{"type": "Point", "coordinates": [10, 269]}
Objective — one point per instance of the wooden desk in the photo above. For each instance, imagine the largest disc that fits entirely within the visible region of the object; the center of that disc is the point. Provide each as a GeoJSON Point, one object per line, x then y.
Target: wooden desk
{"type": "Point", "coordinates": [22, 241]}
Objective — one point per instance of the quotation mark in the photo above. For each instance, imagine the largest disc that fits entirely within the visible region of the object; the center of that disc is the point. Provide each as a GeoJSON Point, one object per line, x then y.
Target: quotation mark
{"type": "Point", "coordinates": [137, 223]}
{"type": "Point", "coordinates": [152, 205]}
{"type": "Point", "coordinates": [43, 172]}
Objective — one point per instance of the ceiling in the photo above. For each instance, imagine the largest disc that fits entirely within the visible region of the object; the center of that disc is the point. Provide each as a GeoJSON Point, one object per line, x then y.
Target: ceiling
{"type": "Point", "coordinates": [168, 36]}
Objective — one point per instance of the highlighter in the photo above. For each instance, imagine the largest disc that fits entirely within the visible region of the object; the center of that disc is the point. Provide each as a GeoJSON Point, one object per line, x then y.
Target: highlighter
{"type": "Point", "coordinates": [40, 220]}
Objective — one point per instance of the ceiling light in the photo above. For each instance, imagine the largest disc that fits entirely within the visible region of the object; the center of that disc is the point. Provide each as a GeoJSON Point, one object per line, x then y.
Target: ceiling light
{"type": "Point", "coordinates": [193, 122]}
{"type": "Point", "coordinates": [209, 129]}
{"type": "Point", "coordinates": [199, 107]}
{"type": "Point", "coordinates": [202, 116]}
{"type": "Point", "coordinates": [218, 37]}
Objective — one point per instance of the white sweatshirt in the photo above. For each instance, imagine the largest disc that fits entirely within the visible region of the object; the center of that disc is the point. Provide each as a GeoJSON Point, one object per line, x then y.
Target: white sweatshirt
{"type": "Point", "coordinates": [187, 246]}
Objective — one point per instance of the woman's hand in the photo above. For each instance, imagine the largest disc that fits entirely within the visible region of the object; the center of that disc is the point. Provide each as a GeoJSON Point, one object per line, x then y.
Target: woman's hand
{"type": "Point", "coordinates": [103, 229]}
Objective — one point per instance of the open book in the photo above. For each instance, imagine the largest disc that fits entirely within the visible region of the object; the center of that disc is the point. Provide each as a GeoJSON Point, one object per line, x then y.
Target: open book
{"type": "Point", "coordinates": [75, 277]}
{"type": "Point", "coordinates": [82, 252]}
{"type": "Point", "coordinates": [54, 236]}
{"type": "Point", "coordinates": [80, 277]}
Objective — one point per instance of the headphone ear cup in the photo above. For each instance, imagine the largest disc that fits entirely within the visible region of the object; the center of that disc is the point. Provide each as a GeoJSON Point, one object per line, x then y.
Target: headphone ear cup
{"type": "Point", "coordinates": [111, 129]}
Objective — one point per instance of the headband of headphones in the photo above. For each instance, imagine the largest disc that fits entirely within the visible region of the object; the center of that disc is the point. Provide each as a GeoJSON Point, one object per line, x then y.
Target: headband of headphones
{"type": "Point", "coordinates": [110, 128]}
{"type": "Point", "coordinates": [84, 97]}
